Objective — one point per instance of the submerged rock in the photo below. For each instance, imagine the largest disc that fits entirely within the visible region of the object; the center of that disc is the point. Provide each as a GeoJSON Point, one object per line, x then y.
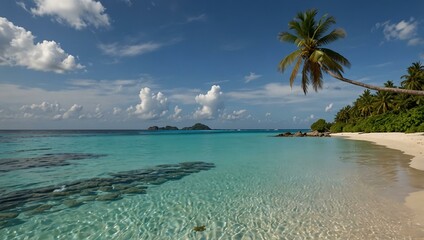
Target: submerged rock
{"type": "Point", "coordinates": [77, 192]}
{"type": "Point", "coordinates": [45, 160]}
{"type": "Point", "coordinates": [8, 215]}
{"type": "Point", "coordinates": [134, 190]}
{"type": "Point", "coordinates": [108, 197]}
{"type": "Point", "coordinates": [40, 209]}
{"type": "Point", "coordinates": [72, 203]}
{"type": "Point", "coordinates": [199, 228]}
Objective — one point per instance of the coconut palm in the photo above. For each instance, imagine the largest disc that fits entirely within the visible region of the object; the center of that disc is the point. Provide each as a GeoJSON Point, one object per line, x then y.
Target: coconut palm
{"type": "Point", "coordinates": [344, 114]}
{"type": "Point", "coordinates": [310, 37]}
{"type": "Point", "coordinates": [364, 103]}
{"type": "Point", "coordinates": [415, 78]}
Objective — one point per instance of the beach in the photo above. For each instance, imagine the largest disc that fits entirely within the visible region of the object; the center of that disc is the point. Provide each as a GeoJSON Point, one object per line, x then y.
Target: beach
{"type": "Point", "coordinates": [411, 144]}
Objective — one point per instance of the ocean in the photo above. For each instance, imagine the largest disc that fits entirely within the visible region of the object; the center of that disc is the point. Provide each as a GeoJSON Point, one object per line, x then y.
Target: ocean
{"type": "Point", "coordinates": [219, 184]}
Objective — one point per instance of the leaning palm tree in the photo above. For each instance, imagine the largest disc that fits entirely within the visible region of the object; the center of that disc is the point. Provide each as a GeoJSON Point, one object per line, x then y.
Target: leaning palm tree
{"type": "Point", "coordinates": [310, 37]}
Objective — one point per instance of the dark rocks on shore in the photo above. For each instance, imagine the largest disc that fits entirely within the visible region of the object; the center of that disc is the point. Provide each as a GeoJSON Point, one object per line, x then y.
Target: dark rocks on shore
{"type": "Point", "coordinates": [300, 134]}
{"type": "Point", "coordinates": [73, 194]}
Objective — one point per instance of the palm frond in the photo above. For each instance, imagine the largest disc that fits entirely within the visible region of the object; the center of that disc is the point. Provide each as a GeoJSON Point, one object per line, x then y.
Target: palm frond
{"type": "Point", "coordinates": [288, 60]}
{"type": "Point", "coordinates": [295, 70]}
{"type": "Point", "coordinates": [323, 25]}
{"type": "Point", "coordinates": [294, 25]}
{"type": "Point", "coordinates": [305, 77]}
{"type": "Point", "coordinates": [328, 64]}
{"type": "Point", "coordinates": [316, 76]}
{"type": "Point", "coordinates": [332, 36]}
{"type": "Point", "coordinates": [337, 57]}
{"type": "Point", "coordinates": [287, 37]}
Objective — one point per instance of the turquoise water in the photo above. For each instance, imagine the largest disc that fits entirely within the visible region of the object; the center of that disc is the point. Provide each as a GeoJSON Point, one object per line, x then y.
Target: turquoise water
{"type": "Point", "coordinates": [260, 188]}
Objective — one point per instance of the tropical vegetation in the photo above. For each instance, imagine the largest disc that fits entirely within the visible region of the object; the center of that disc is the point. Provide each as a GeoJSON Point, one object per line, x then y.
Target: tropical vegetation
{"type": "Point", "coordinates": [386, 111]}
{"type": "Point", "coordinates": [309, 37]}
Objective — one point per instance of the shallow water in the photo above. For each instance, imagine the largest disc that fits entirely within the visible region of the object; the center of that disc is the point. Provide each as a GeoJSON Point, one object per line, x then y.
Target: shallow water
{"type": "Point", "coordinates": [261, 188]}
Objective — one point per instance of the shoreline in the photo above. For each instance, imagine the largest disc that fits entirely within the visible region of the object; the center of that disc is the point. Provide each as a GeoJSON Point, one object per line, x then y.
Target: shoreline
{"type": "Point", "coordinates": [409, 143]}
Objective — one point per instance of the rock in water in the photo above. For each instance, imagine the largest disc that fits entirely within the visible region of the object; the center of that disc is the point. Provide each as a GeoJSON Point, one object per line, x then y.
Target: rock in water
{"type": "Point", "coordinates": [72, 203]}
{"type": "Point", "coordinates": [108, 197]}
{"type": "Point", "coordinates": [199, 228]}
{"type": "Point", "coordinates": [8, 215]}
{"type": "Point", "coordinates": [40, 209]}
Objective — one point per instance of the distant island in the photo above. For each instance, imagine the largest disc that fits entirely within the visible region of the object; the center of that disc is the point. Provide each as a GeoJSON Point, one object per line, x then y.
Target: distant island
{"type": "Point", "coordinates": [197, 126]}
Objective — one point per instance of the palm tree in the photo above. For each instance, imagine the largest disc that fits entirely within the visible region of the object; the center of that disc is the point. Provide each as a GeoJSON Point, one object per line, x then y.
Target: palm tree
{"type": "Point", "coordinates": [309, 37]}
{"type": "Point", "coordinates": [415, 78]}
{"type": "Point", "coordinates": [384, 101]}
{"type": "Point", "coordinates": [365, 103]}
{"type": "Point", "coordinates": [344, 114]}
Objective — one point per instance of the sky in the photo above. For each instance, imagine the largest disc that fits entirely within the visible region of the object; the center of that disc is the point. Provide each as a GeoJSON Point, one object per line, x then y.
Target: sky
{"type": "Point", "coordinates": [131, 64]}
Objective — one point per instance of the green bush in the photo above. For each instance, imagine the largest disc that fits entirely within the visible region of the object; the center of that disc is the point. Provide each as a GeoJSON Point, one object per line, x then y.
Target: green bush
{"type": "Point", "coordinates": [321, 126]}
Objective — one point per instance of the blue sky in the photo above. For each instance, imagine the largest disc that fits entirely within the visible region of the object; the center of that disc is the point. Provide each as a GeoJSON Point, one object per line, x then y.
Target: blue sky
{"type": "Point", "coordinates": [132, 64]}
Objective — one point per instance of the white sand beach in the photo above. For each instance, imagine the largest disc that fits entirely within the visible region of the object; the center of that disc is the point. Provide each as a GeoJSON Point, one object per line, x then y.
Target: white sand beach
{"type": "Point", "coordinates": [411, 144]}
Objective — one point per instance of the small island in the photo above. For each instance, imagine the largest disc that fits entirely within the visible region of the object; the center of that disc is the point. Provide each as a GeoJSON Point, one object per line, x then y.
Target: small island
{"type": "Point", "coordinates": [197, 126]}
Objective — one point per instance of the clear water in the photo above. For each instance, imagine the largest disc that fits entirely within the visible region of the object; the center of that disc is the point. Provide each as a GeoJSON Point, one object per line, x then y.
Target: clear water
{"type": "Point", "coordinates": [261, 188]}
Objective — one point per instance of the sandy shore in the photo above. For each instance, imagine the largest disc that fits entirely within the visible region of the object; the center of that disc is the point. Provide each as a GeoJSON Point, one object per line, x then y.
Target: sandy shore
{"type": "Point", "coordinates": [411, 144]}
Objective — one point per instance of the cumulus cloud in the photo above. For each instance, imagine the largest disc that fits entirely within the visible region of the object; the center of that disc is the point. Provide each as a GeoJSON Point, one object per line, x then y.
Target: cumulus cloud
{"type": "Point", "coordinates": [152, 106]}
{"type": "Point", "coordinates": [46, 110]}
{"type": "Point", "coordinates": [405, 30]}
{"type": "Point", "coordinates": [329, 107]}
{"type": "Point", "coordinates": [235, 115]}
{"type": "Point", "coordinates": [251, 77]}
{"type": "Point", "coordinates": [17, 48]}
{"type": "Point", "coordinates": [76, 13]}
{"type": "Point", "coordinates": [117, 50]}
{"type": "Point", "coordinates": [267, 114]}
{"type": "Point", "coordinates": [212, 103]}
{"type": "Point", "coordinates": [73, 112]}
{"type": "Point", "coordinates": [44, 107]}
{"type": "Point", "coordinates": [116, 111]}
{"type": "Point", "coordinates": [177, 113]}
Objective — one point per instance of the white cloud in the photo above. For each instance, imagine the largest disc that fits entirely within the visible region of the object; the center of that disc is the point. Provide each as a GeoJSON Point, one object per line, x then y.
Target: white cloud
{"type": "Point", "coordinates": [54, 111]}
{"type": "Point", "coordinates": [200, 18]}
{"type": "Point", "coordinates": [251, 77]}
{"type": "Point", "coordinates": [212, 103]}
{"type": "Point", "coordinates": [329, 107]}
{"type": "Point", "coordinates": [44, 107]}
{"type": "Point", "coordinates": [73, 112]}
{"type": "Point", "coordinates": [404, 30]}
{"type": "Point", "coordinates": [177, 113]}
{"type": "Point", "coordinates": [415, 41]}
{"type": "Point", "coordinates": [235, 115]}
{"type": "Point", "coordinates": [76, 13]}
{"type": "Point", "coordinates": [117, 50]}
{"type": "Point", "coordinates": [312, 116]}
{"type": "Point", "coordinates": [17, 48]}
{"type": "Point", "coordinates": [152, 106]}
{"type": "Point", "coordinates": [116, 111]}
{"type": "Point", "coordinates": [267, 114]}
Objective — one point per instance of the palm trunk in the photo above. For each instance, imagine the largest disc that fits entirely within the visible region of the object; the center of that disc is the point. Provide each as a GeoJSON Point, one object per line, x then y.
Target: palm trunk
{"type": "Point", "coordinates": [383, 89]}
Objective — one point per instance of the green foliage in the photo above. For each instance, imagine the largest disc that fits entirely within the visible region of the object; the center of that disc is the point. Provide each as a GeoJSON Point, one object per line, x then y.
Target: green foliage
{"type": "Point", "coordinates": [311, 57]}
{"type": "Point", "coordinates": [321, 126]}
{"type": "Point", "coordinates": [384, 111]}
